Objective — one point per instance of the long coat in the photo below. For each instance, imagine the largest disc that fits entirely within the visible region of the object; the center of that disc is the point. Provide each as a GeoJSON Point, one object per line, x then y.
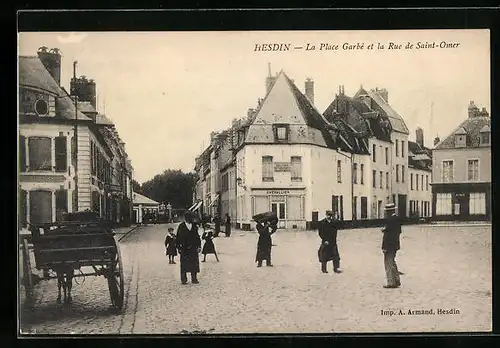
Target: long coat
{"type": "Point", "coordinates": [216, 221]}
{"type": "Point", "coordinates": [188, 242]}
{"type": "Point", "coordinates": [170, 245]}
{"type": "Point", "coordinates": [228, 226]}
{"type": "Point", "coordinates": [209, 246]}
{"type": "Point", "coordinates": [392, 231]}
{"type": "Point", "coordinates": [264, 244]}
{"type": "Point", "coordinates": [328, 233]}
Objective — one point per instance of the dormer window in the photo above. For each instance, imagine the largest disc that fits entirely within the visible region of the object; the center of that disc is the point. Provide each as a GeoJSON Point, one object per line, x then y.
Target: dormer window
{"type": "Point", "coordinates": [281, 132]}
{"type": "Point", "coordinates": [461, 138]}
{"type": "Point", "coordinates": [485, 135]}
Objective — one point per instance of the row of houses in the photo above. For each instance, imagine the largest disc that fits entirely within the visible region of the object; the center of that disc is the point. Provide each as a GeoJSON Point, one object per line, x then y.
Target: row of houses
{"type": "Point", "coordinates": [71, 157]}
{"type": "Point", "coordinates": [353, 158]}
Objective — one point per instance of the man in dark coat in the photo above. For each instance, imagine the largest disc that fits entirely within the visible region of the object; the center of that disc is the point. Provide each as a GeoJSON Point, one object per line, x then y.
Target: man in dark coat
{"type": "Point", "coordinates": [228, 225]}
{"type": "Point", "coordinates": [328, 250]}
{"type": "Point", "coordinates": [265, 243]}
{"type": "Point", "coordinates": [390, 245]}
{"type": "Point", "coordinates": [188, 243]}
{"type": "Point", "coordinates": [217, 225]}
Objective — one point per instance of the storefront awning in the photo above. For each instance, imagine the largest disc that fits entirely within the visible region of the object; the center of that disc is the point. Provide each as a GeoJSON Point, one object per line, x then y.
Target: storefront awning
{"type": "Point", "coordinates": [196, 207]}
{"type": "Point", "coordinates": [215, 200]}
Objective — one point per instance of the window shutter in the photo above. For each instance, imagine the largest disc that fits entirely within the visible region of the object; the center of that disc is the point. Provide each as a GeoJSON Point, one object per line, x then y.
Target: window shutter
{"type": "Point", "coordinates": [23, 208]}
{"type": "Point", "coordinates": [61, 203]}
{"type": "Point", "coordinates": [22, 153]}
{"type": "Point", "coordinates": [61, 154]}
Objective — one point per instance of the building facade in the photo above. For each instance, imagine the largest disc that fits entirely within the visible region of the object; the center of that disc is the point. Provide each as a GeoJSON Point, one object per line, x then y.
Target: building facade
{"type": "Point", "coordinates": [419, 177]}
{"type": "Point", "coordinates": [66, 153]}
{"type": "Point", "coordinates": [461, 188]}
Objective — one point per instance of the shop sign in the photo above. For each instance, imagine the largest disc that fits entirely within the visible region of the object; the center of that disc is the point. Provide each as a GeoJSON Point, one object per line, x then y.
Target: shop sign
{"type": "Point", "coordinates": [282, 166]}
{"type": "Point", "coordinates": [278, 192]}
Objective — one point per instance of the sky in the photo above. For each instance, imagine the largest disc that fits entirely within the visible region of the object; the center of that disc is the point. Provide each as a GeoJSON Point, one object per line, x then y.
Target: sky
{"type": "Point", "coordinates": [166, 91]}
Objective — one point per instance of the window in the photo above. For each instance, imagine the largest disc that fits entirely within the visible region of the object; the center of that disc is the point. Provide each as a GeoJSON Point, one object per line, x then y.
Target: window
{"type": "Point", "coordinates": [22, 153]}
{"type": "Point", "coordinates": [397, 148]}
{"type": "Point", "coordinates": [374, 153]}
{"type": "Point", "coordinates": [472, 170]}
{"type": "Point", "coordinates": [411, 181]}
{"type": "Point", "coordinates": [23, 208]}
{"type": "Point", "coordinates": [40, 206]}
{"type": "Point", "coordinates": [362, 174]}
{"type": "Point", "coordinates": [416, 179]}
{"type": "Point", "coordinates": [267, 168]}
{"type": "Point", "coordinates": [73, 151]}
{"type": "Point", "coordinates": [281, 132]}
{"type": "Point", "coordinates": [386, 155]}
{"type": "Point", "coordinates": [402, 173]}
{"type": "Point", "coordinates": [61, 203]}
{"type": "Point", "coordinates": [374, 178]}
{"type": "Point", "coordinates": [355, 208]}
{"type": "Point", "coordinates": [422, 182]}
{"type": "Point", "coordinates": [387, 180]}
{"type": "Point", "coordinates": [364, 207]}
{"type": "Point", "coordinates": [397, 172]}
{"type": "Point", "coordinates": [485, 138]}
{"type": "Point", "coordinates": [296, 168]}
{"type": "Point", "coordinates": [339, 171]}
{"type": "Point", "coordinates": [477, 203]}
{"type": "Point", "coordinates": [443, 204]}
{"type": "Point", "coordinates": [335, 205]}
{"type": "Point", "coordinates": [61, 156]}
{"type": "Point", "coordinates": [447, 171]}
{"type": "Point", "coordinates": [40, 153]}
{"type": "Point", "coordinates": [402, 149]}
{"type": "Point", "coordinates": [381, 179]}
{"type": "Point", "coordinates": [355, 173]}
{"type": "Point", "coordinates": [460, 140]}
{"type": "Point", "coordinates": [427, 182]}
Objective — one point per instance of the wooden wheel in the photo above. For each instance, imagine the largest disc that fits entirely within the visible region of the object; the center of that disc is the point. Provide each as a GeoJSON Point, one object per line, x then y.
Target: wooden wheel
{"type": "Point", "coordinates": [116, 283]}
{"type": "Point", "coordinates": [27, 275]}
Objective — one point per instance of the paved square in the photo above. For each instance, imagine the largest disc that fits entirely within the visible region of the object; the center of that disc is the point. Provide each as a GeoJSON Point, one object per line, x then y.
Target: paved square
{"type": "Point", "coordinates": [446, 267]}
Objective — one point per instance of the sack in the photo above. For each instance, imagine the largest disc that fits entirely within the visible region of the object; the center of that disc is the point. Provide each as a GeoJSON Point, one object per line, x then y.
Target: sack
{"type": "Point", "coordinates": [269, 216]}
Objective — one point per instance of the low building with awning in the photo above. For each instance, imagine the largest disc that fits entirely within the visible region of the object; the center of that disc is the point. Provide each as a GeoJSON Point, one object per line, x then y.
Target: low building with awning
{"type": "Point", "coordinates": [142, 206]}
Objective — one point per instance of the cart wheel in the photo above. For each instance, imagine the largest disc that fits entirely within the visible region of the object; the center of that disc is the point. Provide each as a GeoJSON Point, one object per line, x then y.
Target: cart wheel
{"type": "Point", "coordinates": [27, 275]}
{"type": "Point", "coordinates": [115, 281]}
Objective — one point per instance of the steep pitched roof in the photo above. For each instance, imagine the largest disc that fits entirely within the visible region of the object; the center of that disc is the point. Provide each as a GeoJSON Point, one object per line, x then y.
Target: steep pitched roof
{"type": "Point", "coordinates": [397, 122]}
{"type": "Point", "coordinates": [85, 106]}
{"type": "Point", "coordinates": [472, 127]}
{"type": "Point", "coordinates": [140, 199]}
{"type": "Point", "coordinates": [66, 109]}
{"type": "Point", "coordinates": [32, 73]}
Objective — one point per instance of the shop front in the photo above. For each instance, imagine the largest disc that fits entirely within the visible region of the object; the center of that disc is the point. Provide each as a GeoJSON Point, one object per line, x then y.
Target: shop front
{"type": "Point", "coordinates": [288, 204]}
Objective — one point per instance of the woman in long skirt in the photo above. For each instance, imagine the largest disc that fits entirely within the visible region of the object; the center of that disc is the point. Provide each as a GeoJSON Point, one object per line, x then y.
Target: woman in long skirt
{"type": "Point", "coordinates": [265, 243]}
{"type": "Point", "coordinates": [209, 246]}
{"type": "Point", "coordinates": [171, 249]}
{"type": "Point", "coordinates": [228, 225]}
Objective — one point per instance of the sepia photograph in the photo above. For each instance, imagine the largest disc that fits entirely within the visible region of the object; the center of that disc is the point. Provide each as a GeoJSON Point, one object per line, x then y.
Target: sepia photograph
{"type": "Point", "coordinates": [254, 182]}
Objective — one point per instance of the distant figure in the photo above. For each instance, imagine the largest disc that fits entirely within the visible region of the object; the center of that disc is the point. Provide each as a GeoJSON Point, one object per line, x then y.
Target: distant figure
{"type": "Point", "coordinates": [228, 225]}
{"type": "Point", "coordinates": [170, 246]}
{"type": "Point", "coordinates": [390, 245]}
{"type": "Point", "coordinates": [209, 246]}
{"type": "Point", "coordinates": [328, 250]}
{"type": "Point", "coordinates": [264, 243]}
{"type": "Point", "coordinates": [216, 221]}
{"type": "Point", "coordinates": [188, 244]}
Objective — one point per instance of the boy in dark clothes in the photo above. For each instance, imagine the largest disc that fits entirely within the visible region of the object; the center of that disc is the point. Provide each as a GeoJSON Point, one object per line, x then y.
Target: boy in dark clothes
{"type": "Point", "coordinates": [170, 248]}
{"type": "Point", "coordinates": [209, 246]}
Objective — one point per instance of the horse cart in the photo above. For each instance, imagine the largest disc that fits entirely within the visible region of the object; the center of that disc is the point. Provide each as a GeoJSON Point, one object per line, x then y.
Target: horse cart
{"type": "Point", "coordinates": [81, 245]}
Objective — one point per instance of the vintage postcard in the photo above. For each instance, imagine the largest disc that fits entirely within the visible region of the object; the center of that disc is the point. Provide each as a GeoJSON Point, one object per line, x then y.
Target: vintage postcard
{"type": "Point", "coordinates": [254, 182]}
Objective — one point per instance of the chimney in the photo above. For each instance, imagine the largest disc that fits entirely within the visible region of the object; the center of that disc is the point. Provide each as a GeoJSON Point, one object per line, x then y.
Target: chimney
{"type": "Point", "coordinates": [84, 89]}
{"type": "Point", "coordinates": [309, 89]}
{"type": "Point", "coordinates": [51, 60]}
{"type": "Point", "coordinates": [473, 110]}
{"type": "Point", "coordinates": [269, 79]}
{"type": "Point", "coordinates": [420, 137]}
{"type": "Point", "coordinates": [250, 114]}
{"type": "Point", "coordinates": [484, 113]}
{"type": "Point", "coordinates": [436, 141]}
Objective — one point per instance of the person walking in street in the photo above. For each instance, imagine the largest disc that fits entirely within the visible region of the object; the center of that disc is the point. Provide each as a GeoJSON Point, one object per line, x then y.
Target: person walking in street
{"type": "Point", "coordinates": [228, 225]}
{"type": "Point", "coordinates": [188, 244]}
{"type": "Point", "coordinates": [170, 246]}
{"type": "Point", "coordinates": [265, 243]}
{"type": "Point", "coordinates": [209, 246]}
{"type": "Point", "coordinates": [328, 250]}
{"type": "Point", "coordinates": [216, 222]}
{"type": "Point", "coordinates": [390, 246]}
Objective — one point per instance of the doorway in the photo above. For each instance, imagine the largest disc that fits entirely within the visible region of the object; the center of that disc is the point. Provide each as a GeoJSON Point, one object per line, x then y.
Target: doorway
{"type": "Point", "coordinates": [279, 208]}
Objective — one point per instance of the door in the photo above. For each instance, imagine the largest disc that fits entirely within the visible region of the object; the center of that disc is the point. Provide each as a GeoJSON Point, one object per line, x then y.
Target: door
{"type": "Point", "coordinates": [402, 206]}
{"type": "Point", "coordinates": [279, 208]}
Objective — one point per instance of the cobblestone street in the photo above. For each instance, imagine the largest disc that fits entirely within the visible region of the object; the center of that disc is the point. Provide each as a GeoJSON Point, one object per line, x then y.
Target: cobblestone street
{"type": "Point", "coordinates": [445, 267]}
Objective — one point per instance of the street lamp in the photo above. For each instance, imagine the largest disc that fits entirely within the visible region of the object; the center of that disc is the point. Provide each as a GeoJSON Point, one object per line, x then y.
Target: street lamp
{"type": "Point", "coordinates": [169, 208]}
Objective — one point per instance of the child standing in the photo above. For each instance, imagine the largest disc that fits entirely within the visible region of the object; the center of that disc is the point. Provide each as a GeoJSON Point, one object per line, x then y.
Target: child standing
{"type": "Point", "coordinates": [170, 248]}
{"type": "Point", "coordinates": [209, 247]}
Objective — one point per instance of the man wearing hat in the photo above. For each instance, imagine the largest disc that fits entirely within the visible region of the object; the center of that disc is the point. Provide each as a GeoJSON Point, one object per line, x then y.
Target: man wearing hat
{"type": "Point", "coordinates": [188, 243]}
{"type": "Point", "coordinates": [328, 250]}
{"type": "Point", "coordinates": [390, 245]}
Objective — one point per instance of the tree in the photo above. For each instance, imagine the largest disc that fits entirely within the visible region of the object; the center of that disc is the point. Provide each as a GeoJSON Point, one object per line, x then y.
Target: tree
{"type": "Point", "coordinates": [172, 186]}
{"type": "Point", "coordinates": [136, 187]}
